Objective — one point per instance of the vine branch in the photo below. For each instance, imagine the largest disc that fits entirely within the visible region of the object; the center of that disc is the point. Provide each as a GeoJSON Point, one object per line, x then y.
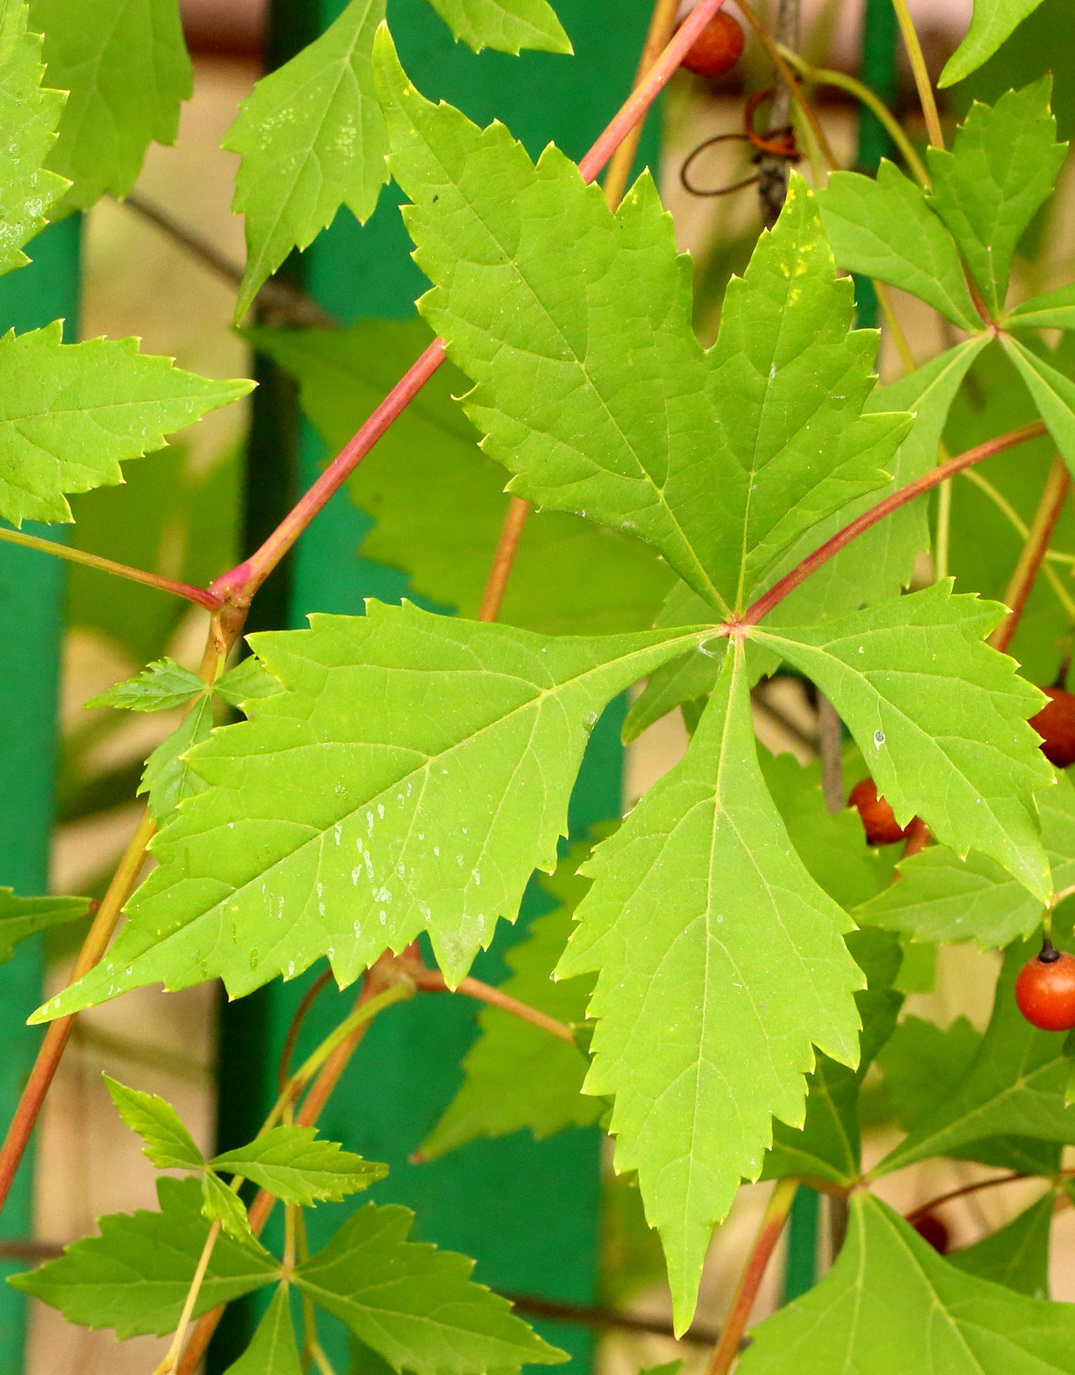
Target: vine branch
{"type": "Point", "coordinates": [1055, 494]}
{"type": "Point", "coordinates": [921, 74]}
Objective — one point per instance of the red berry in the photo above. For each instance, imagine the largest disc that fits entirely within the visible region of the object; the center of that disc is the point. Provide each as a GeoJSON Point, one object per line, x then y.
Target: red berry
{"type": "Point", "coordinates": [930, 1228]}
{"type": "Point", "coordinates": [717, 48]}
{"type": "Point", "coordinates": [880, 824]}
{"type": "Point", "coordinates": [1055, 723]}
{"type": "Point", "coordinates": [1045, 990]}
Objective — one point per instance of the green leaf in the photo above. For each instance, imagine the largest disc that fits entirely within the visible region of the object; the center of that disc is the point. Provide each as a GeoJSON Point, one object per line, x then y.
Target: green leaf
{"type": "Point", "coordinates": [135, 1276]}
{"type": "Point", "coordinates": [890, 1304]}
{"type": "Point", "coordinates": [246, 682]}
{"type": "Point", "coordinates": [167, 1142]}
{"type": "Point", "coordinates": [508, 25]}
{"type": "Point", "coordinates": [1053, 393]}
{"type": "Point", "coordinates": [410, 776]}
{"type": "Point", "coordinates": [168, 778]}
{"type": "Point", "coordinates": [273, 1350]}
{"type": "Point", "coordinates": [295, 1167]}
{"type": "Point", "coordinates": [1053, 310]}
{"type": "Point", "coordinates": [987, 189]}
{"type": "Point", "coordinates": [1014, 1085]}
{"type": "Point", "coordinates": [223, 1205]}
{"type": "Point", "coordinates": [29, 114]}
{"type": "Point", "coordinates": [993, 21]}
{"type": "Point", "coordinates": [719, 962]}
{"type": "Point", "coordinates": [591, 387]}
{"type": "Point", "coordinates": [312, 138]}
{"type": "Point", "coordinates": [440, 503]}
{"type": "Point", "coordinates": [128, 71]}
{"type": "Point", "coordinates": [828, 1145]}
{"type": "Point", "coordinates": [1016, 1255]}
{"type": "Point", "coordinates": [942, 898]}
{"type": "Point", "coordinates": [415, 1305]}
{"type": "Point", "coordinates": [885, 229]}
{"type": "Point", "coordinates": [23, 917]}
{"type": "Point", "coordinates": [71, 413]}
{"type": "Point", "coordinates": [924, 1065]}
{"type": "Point", "coordinates": [940, 719]}
{"type": "Point", "coordinates": [160, 686]}
{"type": "Point", "coordinates": [518, 1077]}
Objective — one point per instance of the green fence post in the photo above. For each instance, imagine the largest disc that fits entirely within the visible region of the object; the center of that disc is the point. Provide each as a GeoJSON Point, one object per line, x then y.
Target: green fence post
{"type": "Point", "coordinates": [31, 624]}
{"type": "Point", "coordinates": [528, 1212]}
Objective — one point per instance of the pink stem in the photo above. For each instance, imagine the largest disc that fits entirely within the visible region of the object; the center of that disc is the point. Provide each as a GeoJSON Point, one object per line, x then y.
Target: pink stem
{"type": "Point", "coordinates": [239, 584]}
{"type": "Point", "coordinates": [790, 581]}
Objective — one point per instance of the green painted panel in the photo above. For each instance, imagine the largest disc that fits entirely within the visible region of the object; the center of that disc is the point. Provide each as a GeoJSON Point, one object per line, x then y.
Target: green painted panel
{"type": "Point", "coordinates": [31, 608]}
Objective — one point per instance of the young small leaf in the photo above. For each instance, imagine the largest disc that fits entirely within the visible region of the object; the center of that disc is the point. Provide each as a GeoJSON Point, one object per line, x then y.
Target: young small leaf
{"type": "Point", "coordinates": [940, 719]}
{"type": "Point", "coordinates": [168, 778]}
{"type": "Point", "coordinates": [409, 776]}
{"type": "Point", "coordinates": [128, 71]}
{"type": "Point", "coordinates": [135, 1276]}
{"type": "Point", "coordinates": [993, 21]}
{"type": "Point", "coordinates": [273, 1349]}
{"type": "Point", "coordinates": [415, 1305]}
{"type": "Point", "coordinates": [167, 1142]}
{"type": "Point", "coordinates": [295, 1167]}
{"type": "Point", "coordinates": [987, 189]}
{"type": "Point", "coordinates": [508, 25]}
{"type": "Point", "coordinates": [23, 917]}
{"type": "Point", "coordinates": [246, 682]}
{"type": "Point", "coordinates": [720, 964]}
{"type": "Point", "coordinates": [70, 413]}
{"type": "Point", "coordinates": [883, 228]}
{"type": "Point", "coordinates": [29, 114]}
{"type": "Point", "coordinates": [517, 1076]}
{"type": "Point", "coordinates": [891, 1303]}
{"type": "Point", "coordinates": [160, 686]}
{"type": "Point", "coordinates": [223, 1205]}
{"type": "Point", "coordinates": [1016, 1255]}
{"type": "Point", "coordinates": [312, 138]}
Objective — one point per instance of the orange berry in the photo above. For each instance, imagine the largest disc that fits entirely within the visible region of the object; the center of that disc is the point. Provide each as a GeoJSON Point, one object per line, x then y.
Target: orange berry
{"type": "Point", "coordinates": [880, 824]}
{"type": "Point", "coordinates": [717, 48]}
{"type": "Point", "coordinates": [1045, 990]}
{"type": "Point", "coordinates": [1055, 723]}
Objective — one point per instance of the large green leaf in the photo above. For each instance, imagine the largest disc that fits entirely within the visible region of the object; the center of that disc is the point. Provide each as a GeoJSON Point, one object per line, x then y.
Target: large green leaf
{"type": "Point", "coordinates": [890, 1305]}
{"type": "Point", "coordinates": [517, 1076]}
{"type": "Point", "coordinates": [440, 503]}
{"type": "Point", "coordinates": [135, 1276]}
{"type": "Point", "coordinates": [409, 777]}
{"type": "Point", "coordinates": [884, 228]}
{"type": "Point", "coordinates": [312, 138]}
{"type": "Point", "coordinates": [1014, 1085]}
{"type": "Point", "coordinates": [719, 962]}
{"type": "Point", "coordinates": [987, 189]}
{"type": "Point", "coordinates": [23, 917]}
{"type": "Point", "coordinates": [993, 21]}
{"type": "Point", "coordinates": [70, 413]}
{"type": "Point", "coordinates": [414, 1305]}
{"type": "Point", "coordinates": [29, 115]}
{"type": "Point", "coordinates": [273, 1349]}
{"type": "Point", "coordinates": [292, 1164]}
{"type": "Point", "coordinates": [942, 898]}
{"type": "Point", "coordinates": [1053, 310]}
{"type": "Point", "coordinates": [940, 719]}
{"type": "Point", "coordinates": [590, 385]}
{"type": "Point", "coordinates": [508, 25]}
{"type": "Point", "coordinates": [1016, 1255]}
{"type": "Point", "coordinates": [128, 71]}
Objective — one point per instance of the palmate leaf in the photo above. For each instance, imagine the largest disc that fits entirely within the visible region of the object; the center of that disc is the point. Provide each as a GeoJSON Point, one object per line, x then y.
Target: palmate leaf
{"type": "Point", "coordinates": [409, 777]}
{"type": "Point", "coordinates": [964, 760]}
{"type": "Point", "coordinates": [508, 25]}
{"type": "Point", "coordinates": [273, 1349]}
{"type": "Point", "coordinates": [294, 1166]}
{"type": "Point", "coordinates": [720, 962]}
{"type": "Point", "coordinates": [1016, 1255]}
{"type": "Point", "coordinates": [23, 917]}
{"type": "Point", "coordinates": [890, 1304]}
{"type": "Point", "coordinates": [440, 502]}
{"type": "Point", "coordinates": [414, 1305]}
{"type": "Point", "coordinates": [1002, 167]}
{"type": "Point", "coordinates": [590, 385]}
{"type": "Point", "coordinates": [70, 413]}
{"type": "Point", "coordinates": [1053, 393]}
{"type": "Point", "coordinates": [942, 898]}
{"type": "Point", "coordinates": [993, 21]}
{"type": "Point", "coordinates": [128, 71]}
{"type": "Point", "coordinates": [312, 138]}
{"type": "Point", "coordinates": [517, 1077]}
{"type": "Point", "coordinates": [168, 1144]}
{"type": "Point", "coordinates": [29, 114]}
{"type": "Point", "coordinates": [135, 1276]}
